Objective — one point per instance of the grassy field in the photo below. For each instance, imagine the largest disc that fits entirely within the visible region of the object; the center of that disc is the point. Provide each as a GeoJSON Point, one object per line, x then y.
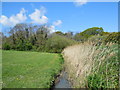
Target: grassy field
{"type": "Point", "coordinates": [29, 69]}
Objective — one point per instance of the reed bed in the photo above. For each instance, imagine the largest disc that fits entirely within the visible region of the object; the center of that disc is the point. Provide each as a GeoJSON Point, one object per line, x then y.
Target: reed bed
{"type": "Point", "coordinates": [89, 65]}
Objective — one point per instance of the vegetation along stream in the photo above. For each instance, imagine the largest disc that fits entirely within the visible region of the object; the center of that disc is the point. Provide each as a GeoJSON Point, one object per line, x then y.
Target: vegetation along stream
{"type": "Point", "coordinates": [62, 81]}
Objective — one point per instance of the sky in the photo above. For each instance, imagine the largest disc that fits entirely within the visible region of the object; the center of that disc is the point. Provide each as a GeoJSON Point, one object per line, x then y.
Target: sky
{"type": "Point", "coordinates": [61, 16]}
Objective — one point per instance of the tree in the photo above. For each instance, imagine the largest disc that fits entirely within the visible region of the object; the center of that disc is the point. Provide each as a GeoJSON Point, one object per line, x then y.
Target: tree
{"type": "Point", "coordinates": [69, 35]}
{"type": "Point", "coordinates": [59, 33]}
{"type": "Point", "coordinates": [1, 36]}
{"type": "Point", "coordinates": [57, 43]}
{"type": "Point", "coordinates": [41, 37]}
{"type": "Point", "coordinates": [83, 36]}
{"type": "Point", "coordinates": [113, 37]}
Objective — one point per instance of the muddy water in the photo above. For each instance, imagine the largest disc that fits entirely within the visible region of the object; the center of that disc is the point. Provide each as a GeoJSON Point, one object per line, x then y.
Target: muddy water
{"type": "Point", "coordinates": [62, 81]}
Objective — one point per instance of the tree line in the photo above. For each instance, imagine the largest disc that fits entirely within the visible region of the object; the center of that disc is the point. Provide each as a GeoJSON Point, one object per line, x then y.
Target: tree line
{"type": "Point", "coordinates": [28, 37]}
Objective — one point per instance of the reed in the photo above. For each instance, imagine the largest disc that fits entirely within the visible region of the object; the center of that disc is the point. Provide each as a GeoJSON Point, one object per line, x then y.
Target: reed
{"type": "Point", "coordinates": [84, 61]}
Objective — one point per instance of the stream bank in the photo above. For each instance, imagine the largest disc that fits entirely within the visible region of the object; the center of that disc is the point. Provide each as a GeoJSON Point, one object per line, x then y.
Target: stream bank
{"type": "Point", "coordinates": [61, 81]}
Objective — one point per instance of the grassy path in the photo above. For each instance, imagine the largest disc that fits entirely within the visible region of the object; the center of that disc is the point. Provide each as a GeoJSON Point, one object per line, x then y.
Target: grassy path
{"type": "Point", "coordinates": [29, 69]}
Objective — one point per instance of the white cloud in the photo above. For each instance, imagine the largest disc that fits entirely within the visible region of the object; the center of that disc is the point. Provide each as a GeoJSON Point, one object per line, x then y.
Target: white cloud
{"type": "Point", "coordinates": [38, 16]}
{"type": "Point", "coordinates": [57, 23]}
{"type": "Point", "coordinates": [51, 29]}
{"type": "Point", "coordinates": [80, 2]}
{"type": "Point", "coordinates": [4, 20]}
{"type": "Point", "coordinates": [14, 19]}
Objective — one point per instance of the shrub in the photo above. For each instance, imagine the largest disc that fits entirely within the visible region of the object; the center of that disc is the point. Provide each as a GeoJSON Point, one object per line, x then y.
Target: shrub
{"type": "Point", "coordinates": [113, 37]}
{"type": "Point", "coordinates": [28, 46]}
{"type": "Point", "coordinates": [83, 36]}
{"type": "Point", "coordinates": [57, 43]}
{"type": "Point", "coordinates": [97, 39]}
{"type": "Point", "coordinates": [6, 46]}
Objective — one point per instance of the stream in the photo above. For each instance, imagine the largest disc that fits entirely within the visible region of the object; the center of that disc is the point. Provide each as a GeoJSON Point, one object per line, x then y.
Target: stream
{"type": "Point", "coordinates": [62, 81]}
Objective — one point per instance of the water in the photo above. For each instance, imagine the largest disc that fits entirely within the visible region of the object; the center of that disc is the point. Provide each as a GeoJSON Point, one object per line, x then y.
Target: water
{"type": "Point", "coordinates": [63, 82]}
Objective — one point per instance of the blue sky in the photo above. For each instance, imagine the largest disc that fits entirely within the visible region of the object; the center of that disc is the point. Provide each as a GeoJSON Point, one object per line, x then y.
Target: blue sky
{"type": "Point", "coordinates": [64, 16]}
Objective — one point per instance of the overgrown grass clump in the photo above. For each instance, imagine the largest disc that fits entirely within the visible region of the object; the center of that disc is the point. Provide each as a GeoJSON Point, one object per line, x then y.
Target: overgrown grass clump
{"type": "Point", "coordinates": [105, 72]}
{"type": "Point", "coordinates": [93, 66]}
{"type": "Point", "coordinates": [29, 69]}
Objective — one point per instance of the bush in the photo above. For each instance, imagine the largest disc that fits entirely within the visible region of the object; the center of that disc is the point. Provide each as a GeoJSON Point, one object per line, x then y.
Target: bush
{"type": "Point", "coordinates": [97, 39]}
{"type": "Point", "coordinates": [113, 37]}
{"type": "Point", "coordinates": [28, 46]}
{"type": "Point", "coordinates": [57, 43]}
{"type": "Point", "coordinates": [83, 36]}
{"type": "Point", "coordinates": [6, 46]}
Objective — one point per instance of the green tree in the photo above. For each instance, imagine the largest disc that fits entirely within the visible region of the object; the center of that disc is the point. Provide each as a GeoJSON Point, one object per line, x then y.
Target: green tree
{"type": "Point", "coordinates": [57, 43]}
{"type": "Point", "coordinates": [83, 36]}
{"type": "Point", "coordinates": [113, 37]}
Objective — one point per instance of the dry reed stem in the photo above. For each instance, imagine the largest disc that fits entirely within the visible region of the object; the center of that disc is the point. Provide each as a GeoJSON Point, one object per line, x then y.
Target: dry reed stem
{"type": "Point", "coordinates": [79, 61]}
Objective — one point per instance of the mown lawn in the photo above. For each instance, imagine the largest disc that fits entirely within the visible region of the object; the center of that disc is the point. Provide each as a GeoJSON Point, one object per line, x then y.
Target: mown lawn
{"type": "Point", "coordinates": [29, 69]}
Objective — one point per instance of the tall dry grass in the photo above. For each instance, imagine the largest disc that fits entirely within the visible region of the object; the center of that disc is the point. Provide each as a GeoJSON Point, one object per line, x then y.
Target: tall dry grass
{"type": "Point", "coordinates": [80, 61]}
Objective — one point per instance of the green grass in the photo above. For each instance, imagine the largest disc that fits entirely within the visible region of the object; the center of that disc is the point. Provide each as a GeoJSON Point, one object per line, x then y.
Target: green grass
{"type": "Point", "coordinates": [29, 69]}
{"type": "Point", "coordinates": [0, 69]}
{"type": "Point", "coordinates": [106, 74]}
